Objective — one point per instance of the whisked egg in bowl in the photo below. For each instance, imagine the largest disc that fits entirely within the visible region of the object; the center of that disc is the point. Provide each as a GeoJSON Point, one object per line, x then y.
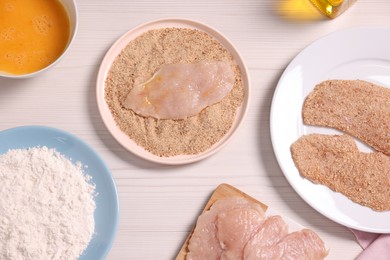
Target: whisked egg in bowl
{"type": "Point", "coordinates": [34, 35]}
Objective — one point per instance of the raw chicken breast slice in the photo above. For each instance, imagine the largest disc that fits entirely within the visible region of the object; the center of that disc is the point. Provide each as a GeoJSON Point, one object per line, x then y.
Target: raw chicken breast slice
{"type": "Point", "coordinates": [303, 245]}
{"type": "Point", "coordinates": [204, 243]}
{"type": "Point", "coordinates": [223, 231]}
{"type": "Point", "coordinates": [232, 203]}
{"type": "Point", "coordinates": [181, 90]}
{"type": "Point", "coordinates": [235, 228]}
{"type": "Point", "coordinates": [270, 233]}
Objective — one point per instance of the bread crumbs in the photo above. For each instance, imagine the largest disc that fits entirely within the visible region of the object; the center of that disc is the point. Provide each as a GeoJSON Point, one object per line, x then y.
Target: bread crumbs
{"type": "Point", "coordinates": [139, 60]}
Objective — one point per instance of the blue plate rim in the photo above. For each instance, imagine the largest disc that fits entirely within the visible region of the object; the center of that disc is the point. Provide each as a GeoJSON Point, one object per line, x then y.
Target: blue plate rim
{"type": "Point", "coordinates": [95, 154]}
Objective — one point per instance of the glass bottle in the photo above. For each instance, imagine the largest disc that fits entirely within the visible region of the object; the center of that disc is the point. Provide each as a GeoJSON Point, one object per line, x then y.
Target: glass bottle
{"type": "Point", "coordinates": [332, 8]}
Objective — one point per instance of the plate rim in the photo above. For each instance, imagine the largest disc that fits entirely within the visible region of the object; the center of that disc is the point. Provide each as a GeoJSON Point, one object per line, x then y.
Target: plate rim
{"type": "Point", "coordinates": [107, 171]}
{"type": "Point", "coordinates": [293, 63]}
{"type": "Point", "coordinates": [110, 123]}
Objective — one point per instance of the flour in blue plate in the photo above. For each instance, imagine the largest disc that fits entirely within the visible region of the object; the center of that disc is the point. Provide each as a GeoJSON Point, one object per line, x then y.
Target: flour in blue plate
{"type": "Point", "coordinates": [46, 205]}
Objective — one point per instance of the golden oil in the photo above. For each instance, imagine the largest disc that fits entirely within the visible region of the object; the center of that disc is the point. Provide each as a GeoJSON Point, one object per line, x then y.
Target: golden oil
{"type": "Point", "coordinates": [332, 8]}
{"type": "Point", "coordinates": [298, 10]}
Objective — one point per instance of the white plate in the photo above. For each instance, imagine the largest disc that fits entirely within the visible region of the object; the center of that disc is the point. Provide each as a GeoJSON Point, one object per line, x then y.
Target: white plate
{"type": "Point", "coordinates": [356, 53]}
{"type": "Point", "coordinates": [121, 137]}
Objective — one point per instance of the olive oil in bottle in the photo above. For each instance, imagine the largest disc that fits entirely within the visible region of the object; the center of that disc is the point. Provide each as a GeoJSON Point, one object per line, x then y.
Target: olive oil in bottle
{"type": "Point", "coordinates": [332, 8]}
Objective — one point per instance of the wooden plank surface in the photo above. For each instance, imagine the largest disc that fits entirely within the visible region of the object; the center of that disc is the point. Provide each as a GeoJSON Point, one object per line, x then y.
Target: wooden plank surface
{"type": "Point", "coordinates": [159, 204]}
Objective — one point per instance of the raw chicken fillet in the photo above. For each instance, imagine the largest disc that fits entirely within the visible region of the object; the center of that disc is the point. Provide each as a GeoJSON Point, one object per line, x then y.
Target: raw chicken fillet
{"type": "Point", "coordinates": [181, 90]}
{"type": "Point", "coordinates": [221, 232]}
{"type": "Point", "coordinates": [235, 228]}
{"type": "Point", "coordinates": [270, 233]}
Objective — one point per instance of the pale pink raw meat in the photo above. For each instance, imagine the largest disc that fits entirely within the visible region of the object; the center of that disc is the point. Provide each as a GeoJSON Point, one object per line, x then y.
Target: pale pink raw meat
{"type": "Point", "coordinates": [301, 245]}
{"type": "Point", "coordinates": [271, 232]}
{"type": "Point", "coordinates": [204, 243]}
{"type": "Point", "coordinates": [181, 90]}
{"type": "Point", "coordinates": [232, 203]}
{"type": "Point", "coordinates": [235, 228]}
{"type": "Point", "coordinates": [207, 242]}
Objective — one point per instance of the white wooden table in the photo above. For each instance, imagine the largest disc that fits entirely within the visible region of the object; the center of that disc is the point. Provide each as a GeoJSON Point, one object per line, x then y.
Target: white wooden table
{"type": "Point", "coordinates": [159, 204]}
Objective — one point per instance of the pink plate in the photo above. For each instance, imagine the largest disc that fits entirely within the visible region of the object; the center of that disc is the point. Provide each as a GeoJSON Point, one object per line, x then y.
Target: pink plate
{"type": "Point", "coordinates": [105, 112]}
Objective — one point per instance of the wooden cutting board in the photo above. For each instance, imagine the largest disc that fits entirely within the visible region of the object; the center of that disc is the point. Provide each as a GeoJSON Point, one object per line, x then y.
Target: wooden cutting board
{"type": "Point", "coordinates": [221, 192]}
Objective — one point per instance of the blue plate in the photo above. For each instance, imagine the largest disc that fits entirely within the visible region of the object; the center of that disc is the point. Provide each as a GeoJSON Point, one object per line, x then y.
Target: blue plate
{"type": "Point", "coordinates": [107, 207]}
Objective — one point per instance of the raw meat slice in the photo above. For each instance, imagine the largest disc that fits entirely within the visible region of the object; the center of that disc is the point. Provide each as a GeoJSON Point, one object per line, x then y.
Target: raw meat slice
{"type": "Point", "coordinates": [229, 229]}
{"type": "Point", "coordinates": [232, 203]}
{"type": "Point", "coordinates": [204, 243]}
{"type": "Point", "coordinates": [235, 228]}
{"type": "Point", "coordinates": [303, 245]}
{"type": "Point", "coordinates": [209, 240]}
{"type": "Point", "coordinates": [178, 91]}
{"type": "Point", "coordinates": [271, 232]}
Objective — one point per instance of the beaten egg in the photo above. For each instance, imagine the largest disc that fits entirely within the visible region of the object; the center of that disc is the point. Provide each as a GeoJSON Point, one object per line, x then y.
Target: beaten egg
{"type": "Point", "coordinates": [33, 34]}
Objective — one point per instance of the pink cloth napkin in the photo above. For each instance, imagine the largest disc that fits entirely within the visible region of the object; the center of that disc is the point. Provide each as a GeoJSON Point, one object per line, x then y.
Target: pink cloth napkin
{"type": "Point", "coordinates": [375, 246]}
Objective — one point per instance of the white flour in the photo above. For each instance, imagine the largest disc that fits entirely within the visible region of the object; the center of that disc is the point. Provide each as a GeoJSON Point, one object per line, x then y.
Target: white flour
{"type": "Point", "coordinates": [46, 206]}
